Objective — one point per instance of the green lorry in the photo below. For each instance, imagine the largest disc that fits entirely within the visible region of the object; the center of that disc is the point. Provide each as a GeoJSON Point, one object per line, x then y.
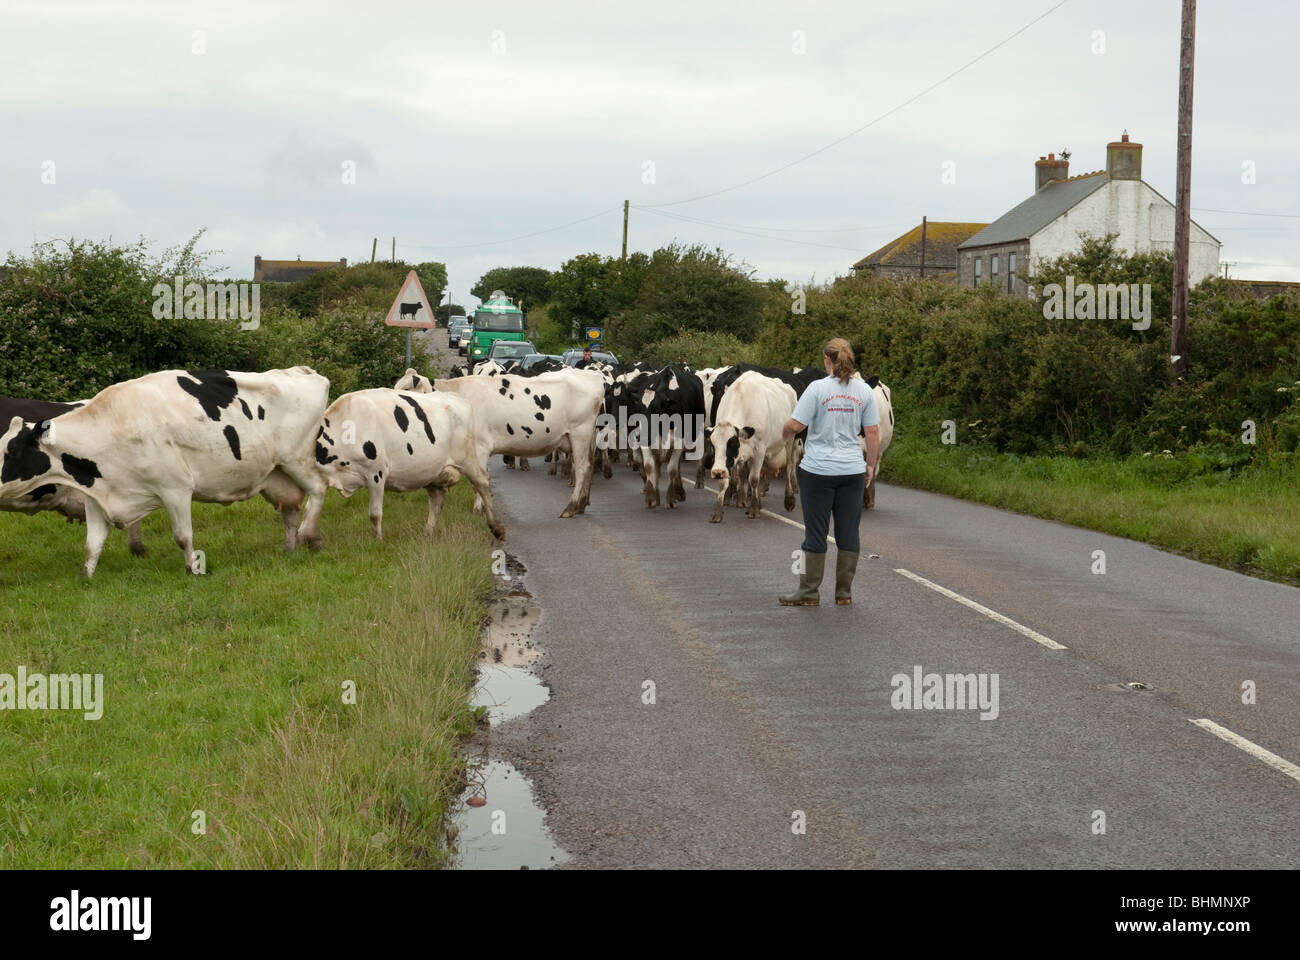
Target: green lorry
{"type": "Point", "coordinates": [496, 319]}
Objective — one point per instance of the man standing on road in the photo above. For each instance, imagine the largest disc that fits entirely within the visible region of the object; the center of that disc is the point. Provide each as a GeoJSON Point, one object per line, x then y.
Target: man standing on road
{"type": "Point", "coordinates": [832, 476]}
{"type": "Point", "coordinates": [586, 359]}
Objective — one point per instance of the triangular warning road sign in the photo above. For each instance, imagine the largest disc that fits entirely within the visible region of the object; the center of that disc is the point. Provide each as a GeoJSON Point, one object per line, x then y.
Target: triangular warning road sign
{"type": "Point", "coordinates": [411, 308]}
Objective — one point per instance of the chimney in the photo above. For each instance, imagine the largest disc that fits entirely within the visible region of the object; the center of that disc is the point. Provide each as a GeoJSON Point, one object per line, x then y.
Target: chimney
{"type": "Point", "coordinates": [1124, 159]}
{"type": "Point", "coordinates": [1047, 169]}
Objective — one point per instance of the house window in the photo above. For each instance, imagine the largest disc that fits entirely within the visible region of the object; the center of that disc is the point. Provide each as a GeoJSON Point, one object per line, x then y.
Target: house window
{"type": "Point", "coordinates": [979, 264]}
{"type": "Point", "coordinates": [993, 270]}
{"type": "Point", "coordinates": [1011, 273]}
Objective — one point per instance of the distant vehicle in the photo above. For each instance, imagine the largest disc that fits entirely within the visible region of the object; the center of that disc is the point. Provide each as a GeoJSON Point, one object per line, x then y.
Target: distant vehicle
{"type": "Point", "coordinates": [497, 319]}
{"type": "Point", "coordinates": [533, 359]}
{"type": "Point", "coordinates": [456, 328]}
{"type": "Point", "coordinates": [573, 356]}
{"type": "Point", "coordinates": [504, 351]}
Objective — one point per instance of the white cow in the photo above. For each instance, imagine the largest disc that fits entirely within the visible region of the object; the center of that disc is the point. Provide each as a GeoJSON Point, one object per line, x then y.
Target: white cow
{"type": "Point", "coordinates": [169, 438]}
{"type": "Point", "coordinates": [401, 441]}
{"type": "Point", "coordinates": [534, 416]}
{"type": "Point", "coordinates": [747, 439]}
{"type": "Point", "coordinates": [884, 404]}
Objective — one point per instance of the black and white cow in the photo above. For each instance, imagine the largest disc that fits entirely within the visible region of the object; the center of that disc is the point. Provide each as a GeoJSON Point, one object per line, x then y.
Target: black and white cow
{"type": "Point", "coordinates": [534, 416]}
{"type": "Point", "coordinates": [169, 438]}
{"type": "Point", "coordinates": [748, 443]}
{"type": "Point", "coordinates": [58, 498]}
{"type": "Point", "coordinates": [401, 441]}
{"type": "Point", "coordinates": [672, 401]}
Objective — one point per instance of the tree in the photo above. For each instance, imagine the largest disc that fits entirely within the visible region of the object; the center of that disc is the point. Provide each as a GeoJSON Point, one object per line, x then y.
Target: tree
{"type": "Point", "coordinates": [526, 284]}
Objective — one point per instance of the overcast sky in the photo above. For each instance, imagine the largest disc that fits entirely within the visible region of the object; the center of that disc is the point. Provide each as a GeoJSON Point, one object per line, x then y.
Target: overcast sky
{"type": "Point", "coordinates": [470, 123]}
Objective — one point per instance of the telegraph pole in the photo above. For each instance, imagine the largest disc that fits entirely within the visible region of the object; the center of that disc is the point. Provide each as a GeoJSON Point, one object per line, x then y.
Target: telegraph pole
{"type": "Point", "coordinates": [923, 219]}
{"type": "Point", "coordinates": [624, 229]}
{"type": "Point", "coordinates": [1183, 193]}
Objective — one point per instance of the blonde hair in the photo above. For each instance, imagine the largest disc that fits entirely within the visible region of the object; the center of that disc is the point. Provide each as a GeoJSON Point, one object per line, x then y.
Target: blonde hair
{"type": "Point", "coordinates": [841, 356]}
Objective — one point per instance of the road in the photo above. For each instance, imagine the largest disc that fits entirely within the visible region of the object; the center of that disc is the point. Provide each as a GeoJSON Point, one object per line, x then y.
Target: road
{"type": "Point", "coordinates": [760, 711]}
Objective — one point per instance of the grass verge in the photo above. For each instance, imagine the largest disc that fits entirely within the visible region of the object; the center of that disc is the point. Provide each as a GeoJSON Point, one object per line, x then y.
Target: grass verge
{"type": "Point", "coordinates": [225, 693]}
{"type": "Point", "coordinates": [1243, 519]}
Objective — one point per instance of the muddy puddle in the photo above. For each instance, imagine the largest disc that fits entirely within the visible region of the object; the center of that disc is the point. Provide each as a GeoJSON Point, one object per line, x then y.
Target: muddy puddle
{"type": "Point", "coordinates": [500, 824]}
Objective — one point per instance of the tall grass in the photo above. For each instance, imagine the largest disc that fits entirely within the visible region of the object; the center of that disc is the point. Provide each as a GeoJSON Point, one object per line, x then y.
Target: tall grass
{"type": "Point", "coordinates": [225, 693]}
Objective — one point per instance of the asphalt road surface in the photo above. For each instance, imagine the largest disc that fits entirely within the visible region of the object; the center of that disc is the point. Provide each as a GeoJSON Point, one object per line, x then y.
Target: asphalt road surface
{"type": "Point", "coordinates": [765, 717]}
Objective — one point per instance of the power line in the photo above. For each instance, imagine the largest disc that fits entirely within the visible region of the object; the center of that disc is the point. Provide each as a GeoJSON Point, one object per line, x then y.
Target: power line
{"type": "Point", "coordinates": [762, 236]}
{"type": "Point", "coordinates": [871, 123]}
{"type": "Point", "coordinates": [1248, 213]}
{"type": "Point", "coordinates": [537, 233]}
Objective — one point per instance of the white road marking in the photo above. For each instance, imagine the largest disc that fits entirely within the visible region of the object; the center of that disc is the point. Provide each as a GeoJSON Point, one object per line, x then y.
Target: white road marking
{"type": "Point", "coordinates": [1033, 635]}
{"type": "Point", "coordinates": [1254, 749]}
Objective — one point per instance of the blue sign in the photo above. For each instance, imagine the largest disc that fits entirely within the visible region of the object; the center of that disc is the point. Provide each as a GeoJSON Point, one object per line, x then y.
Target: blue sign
{"type": "Point", "coordinates": [593, 334]}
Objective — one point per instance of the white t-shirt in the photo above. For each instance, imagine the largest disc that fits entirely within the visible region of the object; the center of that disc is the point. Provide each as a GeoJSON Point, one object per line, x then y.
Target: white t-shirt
{"type": "Point", "coordinates": [835, 414]}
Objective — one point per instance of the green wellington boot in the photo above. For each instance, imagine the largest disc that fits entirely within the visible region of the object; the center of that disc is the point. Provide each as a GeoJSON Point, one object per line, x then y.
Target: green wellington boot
{"type": "Point", "coordinates": [810, 582]}
{"type": "Point", "coordinates": [846, 565]}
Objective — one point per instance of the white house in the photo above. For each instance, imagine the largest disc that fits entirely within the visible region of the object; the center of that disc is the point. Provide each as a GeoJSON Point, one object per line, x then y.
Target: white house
{"type": "Point", "coordinates": [1115, 200]}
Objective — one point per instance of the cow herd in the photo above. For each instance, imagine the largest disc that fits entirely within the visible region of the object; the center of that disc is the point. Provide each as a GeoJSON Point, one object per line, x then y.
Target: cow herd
{"type": "Point", "coordinates": [169, 438]}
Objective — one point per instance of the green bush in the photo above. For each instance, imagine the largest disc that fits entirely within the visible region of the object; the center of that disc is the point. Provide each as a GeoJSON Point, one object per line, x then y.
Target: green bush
{"type": "Point", "coordinates": [700, 350]}
{"type": "Point", "coordinates": [77, 317]}
{"type": "Point", "coordinates": [1011, 377]}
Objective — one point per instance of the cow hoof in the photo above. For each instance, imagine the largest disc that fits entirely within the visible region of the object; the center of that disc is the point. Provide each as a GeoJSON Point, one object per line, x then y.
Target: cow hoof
{"type": "Point", "coordinates": [567, 513]}
{"type": "Point", "coordinates": [138, 550]}
{"type": "Point", "coordinates": [789, 504]}
{"type": "Point", "coordinates": [499, 532]}
{"type": "Point", "coordinates": [525, 466]}
{"type": "Point", "coordinates": [716, 518]}
{"type": "Point", "coordinates": [608, 473]}
{"type": "Point", "coordinates": [313, 543]}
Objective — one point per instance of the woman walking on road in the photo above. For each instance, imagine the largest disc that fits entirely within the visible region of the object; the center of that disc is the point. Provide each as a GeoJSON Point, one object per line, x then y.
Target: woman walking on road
{"type": "Point", "coordinates": [833, 473]}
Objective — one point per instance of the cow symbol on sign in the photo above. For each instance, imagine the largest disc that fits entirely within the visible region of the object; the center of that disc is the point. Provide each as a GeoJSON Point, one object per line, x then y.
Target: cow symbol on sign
{"type": "Point", "coordinates": [410, 308]}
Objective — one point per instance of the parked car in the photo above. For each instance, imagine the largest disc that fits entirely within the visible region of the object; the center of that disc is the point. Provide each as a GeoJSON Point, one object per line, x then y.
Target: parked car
{"type": "Point", "coordinates": [506, 350]}
{"type": "Point", "coordinates": [571, 357]}
{"type": "Point", "coordinates": [533, 359]}
{"type": "Point", "coordinates": [456, 328]}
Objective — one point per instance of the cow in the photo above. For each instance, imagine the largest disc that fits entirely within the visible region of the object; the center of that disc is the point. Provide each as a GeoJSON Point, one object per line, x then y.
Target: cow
{"type": "Point", "coordinates": [532, 416]}
{"type": "Point", "coordinates": [748, 441]}
{"type": "Point", "coordinates": [672, 400]}
{"type": "Point", "coordinates": [401, 441]}
{"type": "Point", "coordinates": [798, 379]}
{"type": "Point", "coordinates": [410, 309]}
{"type": "Point", "coordinates": [884, 404]}
{"type": "Point", "coordinates": [169, 438]}
{"type": "Point", "coordinates": [67, 501]}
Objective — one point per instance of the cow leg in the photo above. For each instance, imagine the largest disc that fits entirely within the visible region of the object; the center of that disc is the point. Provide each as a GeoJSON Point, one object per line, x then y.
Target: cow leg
{"type": "Point", "coordinates": [509, 461]}
{"type": "Point", "coordinates": [523, 464]}
{"type": "Point", "coordinates": [310, 483]}
{"type": "Point", "coordinates": [437, 495]}
{"type": "Point", "coordinates": [97, 527]}
{"type": "Point", "coordinates": [581, 453]}
{"type": "Point", "coordinates": [651, 473]}
{"type": "Point", "coordinates": [789, 487]}
{"type": "Point", "coordinates": [755, 492]}
{"type": "Point", "coordinates": [137, 542]}
{"type": "Point", "coordinates": [178, 511]}
{"type": "Point", "coordinates": [721, 502]}
{"type": "Point", "coordinates": [554, 459]}
{"type": "Point", "coordinates": [478, 479]}
{"type": "Point", "coordinates": [869, 495]}
{"type": "Point", "coordinates": [377, 508]}
{"type": "Point", "coordinates": [606, 469]}
{"type": "Point", "coordinates": [675, 491]}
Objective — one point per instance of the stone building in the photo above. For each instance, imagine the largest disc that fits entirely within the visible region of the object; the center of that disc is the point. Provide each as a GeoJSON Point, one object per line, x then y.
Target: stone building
{"type": "Point", "coordinates": [901, 258]}
{"type": "Point", "coordinates": [1049, 224]}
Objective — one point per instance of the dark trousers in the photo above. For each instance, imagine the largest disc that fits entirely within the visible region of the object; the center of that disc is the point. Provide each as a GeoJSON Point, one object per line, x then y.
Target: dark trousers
{"type": "Point", "coordinates": [821, 497]}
